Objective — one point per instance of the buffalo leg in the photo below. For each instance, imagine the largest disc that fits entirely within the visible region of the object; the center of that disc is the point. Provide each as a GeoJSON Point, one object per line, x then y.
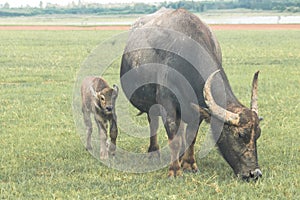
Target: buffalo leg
{"type": "Point", "coordinates": [113, 136]}
{"type": "Point", "coordinates": [153, 122]}
{"type": "Point", "coordinates": [188, 159]}
{"type": "Point", "coordinates": [102, 128]}
{"type": "Point", "coordinates": [183, 140]}
{"type": "Point", "coordinates": [89, 128]}
{"type": "Point", "coordinates": [172, 124]}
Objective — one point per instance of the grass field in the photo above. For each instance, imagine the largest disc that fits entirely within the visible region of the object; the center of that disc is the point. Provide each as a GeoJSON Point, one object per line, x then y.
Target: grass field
{"type": "Point", "coordinates": [42, 156]}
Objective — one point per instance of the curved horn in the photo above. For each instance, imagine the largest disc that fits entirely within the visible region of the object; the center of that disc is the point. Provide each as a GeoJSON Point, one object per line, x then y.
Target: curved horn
{"type": "Point", "coordinates": [215, 109]}
{"type": "Point", "coordinates": [254, 97]}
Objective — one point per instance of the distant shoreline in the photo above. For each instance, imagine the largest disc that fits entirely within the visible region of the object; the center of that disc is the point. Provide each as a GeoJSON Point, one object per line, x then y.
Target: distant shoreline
{"type": "Point", "coordinates": [126, 20]}
{"type": "Point", "coordinates": [125, 27]}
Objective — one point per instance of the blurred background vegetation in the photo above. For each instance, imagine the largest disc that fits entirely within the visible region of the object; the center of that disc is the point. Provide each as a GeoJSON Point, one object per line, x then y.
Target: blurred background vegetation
{"type": "Point", "coordinates": [77, 7]}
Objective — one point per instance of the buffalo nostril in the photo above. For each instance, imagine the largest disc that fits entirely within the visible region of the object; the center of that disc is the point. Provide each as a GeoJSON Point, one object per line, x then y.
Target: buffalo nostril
{"type": "Point", "coordinates": [258, 173]}
{"type": "Point", "coordinates": [109, 108]}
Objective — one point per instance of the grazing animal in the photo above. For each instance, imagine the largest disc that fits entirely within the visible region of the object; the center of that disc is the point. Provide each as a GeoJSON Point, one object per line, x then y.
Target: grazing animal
{"type": "Point", "coordinates": [98, 98]}
{"type": "Point", "coordinates": [148, 50]}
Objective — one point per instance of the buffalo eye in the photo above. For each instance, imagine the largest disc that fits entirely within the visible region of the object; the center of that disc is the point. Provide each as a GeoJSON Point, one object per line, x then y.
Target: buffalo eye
{"type": "Point", "coordinates": [241, 134]}
{"type": "Point", "coordinates": [244, 134]}
{"type": "Point", "coordinates": [102, 98]}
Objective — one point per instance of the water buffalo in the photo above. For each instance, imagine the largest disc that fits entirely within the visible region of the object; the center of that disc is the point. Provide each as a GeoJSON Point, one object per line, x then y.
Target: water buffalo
{"type": "Point", "coordinates": [98, 98]}
{"type": "Point", "coordinates": [172, 59]}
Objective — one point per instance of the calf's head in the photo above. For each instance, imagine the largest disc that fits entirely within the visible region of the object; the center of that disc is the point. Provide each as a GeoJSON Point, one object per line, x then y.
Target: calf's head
{"type": "Point", "coordinates": [105, 99]}
{"type": "Point", "coordinates": [237, 142]}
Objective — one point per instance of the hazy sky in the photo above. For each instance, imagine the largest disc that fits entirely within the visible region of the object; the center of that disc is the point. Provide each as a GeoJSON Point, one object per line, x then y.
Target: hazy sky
{"type": "Point", "coordinates": [18, 3]}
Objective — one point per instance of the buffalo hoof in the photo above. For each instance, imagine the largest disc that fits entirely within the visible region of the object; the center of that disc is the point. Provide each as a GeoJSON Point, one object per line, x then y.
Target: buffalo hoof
{"type": "Point", "coordinates": [112, 153]}
{"type": "Point", "coordinates": [175, 173]}
{"type": "Point", "coordinates": [103, 155]}
{"type": "Point", "coordinates": [155, 155]}
{"type": "Point", "coordinates": [154, 152]}
{"type": "Point", "coordinates": [88, 148]}
{"type": "Point", "coordinates": [189, 167]}
{"type": "Point", "coordinates": [153, 148]}
{"type": "Point", "coordinates": [111, 149]}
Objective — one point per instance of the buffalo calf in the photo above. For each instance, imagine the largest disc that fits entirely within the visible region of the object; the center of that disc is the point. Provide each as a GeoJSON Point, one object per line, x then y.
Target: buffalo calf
{"type": "Point", "coordinates": [98, 98]}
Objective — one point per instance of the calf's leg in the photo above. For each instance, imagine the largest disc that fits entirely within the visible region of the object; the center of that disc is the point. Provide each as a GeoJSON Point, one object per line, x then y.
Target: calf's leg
{"type": "Point", "coordinates": [113, 136]}
{"type": "Point", "coordinates": [89, 128]}
{"type": "Point", "coordinates": [102, 128]}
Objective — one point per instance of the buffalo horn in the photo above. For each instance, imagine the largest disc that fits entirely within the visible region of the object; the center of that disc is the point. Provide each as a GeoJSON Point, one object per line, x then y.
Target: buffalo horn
{"type": "Point", "coordinates": [216, 110]}
{"type": "Point", "coordinates": [254, 97]}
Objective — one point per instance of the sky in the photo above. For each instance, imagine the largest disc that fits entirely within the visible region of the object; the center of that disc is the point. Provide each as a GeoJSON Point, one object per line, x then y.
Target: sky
{"type": "Point", "coordinates": [18, 3]}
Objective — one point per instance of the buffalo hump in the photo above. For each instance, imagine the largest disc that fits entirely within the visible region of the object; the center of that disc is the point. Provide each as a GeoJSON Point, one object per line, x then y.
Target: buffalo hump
{"type": "Point", "coordinates": [182, 21]}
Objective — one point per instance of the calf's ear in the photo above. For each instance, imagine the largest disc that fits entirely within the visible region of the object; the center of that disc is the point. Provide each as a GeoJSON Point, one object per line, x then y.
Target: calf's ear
{"type": "Point", "coordinates": [93, 92]}
{"type": "Point", "coordinates": [204, 112]}
{"type": "Point", "coordinates": [116, 89]}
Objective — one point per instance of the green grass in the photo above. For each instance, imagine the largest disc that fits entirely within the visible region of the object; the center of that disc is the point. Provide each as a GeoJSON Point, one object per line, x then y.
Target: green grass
{"type": "Point", "coordinates": [42, 156]}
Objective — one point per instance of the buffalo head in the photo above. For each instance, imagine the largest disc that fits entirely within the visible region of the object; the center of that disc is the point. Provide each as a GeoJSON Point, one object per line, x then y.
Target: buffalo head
{"type": "Point", "coordinates": [237, 142]}
{"type": "Point", "coordinates": [105, 99]}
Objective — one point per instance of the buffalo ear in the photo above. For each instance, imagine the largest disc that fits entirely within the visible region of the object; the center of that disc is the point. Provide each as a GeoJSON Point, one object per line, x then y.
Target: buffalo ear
{"type": "Point", "coordinates": [93, 92]}
{"type": "Point", "coordinates": [204, 112]}
{"type": "Point", "coordinates": [116, 89]}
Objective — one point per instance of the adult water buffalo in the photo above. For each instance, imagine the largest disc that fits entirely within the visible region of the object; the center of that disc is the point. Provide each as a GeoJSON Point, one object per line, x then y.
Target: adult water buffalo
{"type": "Point", "coordinates": [172, 67]}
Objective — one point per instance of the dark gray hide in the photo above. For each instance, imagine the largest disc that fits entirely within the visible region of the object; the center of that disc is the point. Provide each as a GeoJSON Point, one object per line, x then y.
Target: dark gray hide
{"type": "Point", "coordinates": [167, 61]}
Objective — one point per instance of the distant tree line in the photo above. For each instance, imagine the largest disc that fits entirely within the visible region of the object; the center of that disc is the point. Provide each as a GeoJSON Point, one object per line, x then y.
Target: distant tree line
{"type": "Point", "coordinates": [142, 8]}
